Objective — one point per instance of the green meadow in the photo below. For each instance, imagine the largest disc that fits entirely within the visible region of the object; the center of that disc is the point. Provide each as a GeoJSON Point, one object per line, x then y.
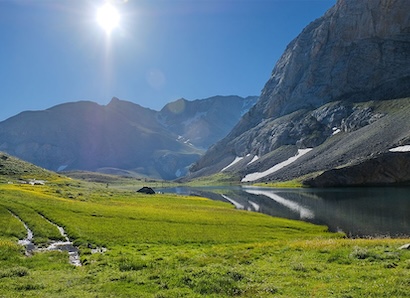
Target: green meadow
{"type": "Point", "coordinates": [178, 246]}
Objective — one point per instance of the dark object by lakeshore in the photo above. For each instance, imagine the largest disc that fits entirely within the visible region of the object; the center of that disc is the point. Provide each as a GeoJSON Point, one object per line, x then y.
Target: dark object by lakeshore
{"type": "Point", "coordinates": [146, 190]}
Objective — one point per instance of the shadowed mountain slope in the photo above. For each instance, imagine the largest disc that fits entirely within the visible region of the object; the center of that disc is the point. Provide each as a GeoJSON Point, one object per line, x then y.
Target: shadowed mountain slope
{"type": "Point", "coordinates": [112, 138]}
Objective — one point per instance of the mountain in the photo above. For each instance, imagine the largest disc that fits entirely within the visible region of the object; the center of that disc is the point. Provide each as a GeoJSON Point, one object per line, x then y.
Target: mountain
{"type": "Point", "coordinates": [204, 122]}
{"type": "Point", "coordinates": [121, 137]}
{"type": "Point", "coordinates": [328, 103]}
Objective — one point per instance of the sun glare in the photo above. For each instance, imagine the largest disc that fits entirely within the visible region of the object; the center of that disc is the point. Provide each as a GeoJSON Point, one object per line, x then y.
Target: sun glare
{"type": "Point", "coordinates": [108, 17]}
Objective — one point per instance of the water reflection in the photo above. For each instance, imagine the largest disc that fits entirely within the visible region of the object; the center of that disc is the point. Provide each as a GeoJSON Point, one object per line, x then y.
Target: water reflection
{"type": "Point", "coordinates": [359, 212]}
{"type": "Point", "coordinates": [304, 213]}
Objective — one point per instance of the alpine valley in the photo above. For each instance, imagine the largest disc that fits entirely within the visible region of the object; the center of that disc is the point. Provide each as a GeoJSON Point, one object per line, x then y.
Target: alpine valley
{"type": "Point", "coordinates": [335, 111]}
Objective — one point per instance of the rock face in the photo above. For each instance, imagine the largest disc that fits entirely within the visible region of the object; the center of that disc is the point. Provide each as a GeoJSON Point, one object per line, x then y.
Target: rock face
{"type": "Point", "coordinates": [119, 138]}
{"type": "Point", "coordinates": [358, 51]}
{"type": "Point", "coordinates": [385, 169]}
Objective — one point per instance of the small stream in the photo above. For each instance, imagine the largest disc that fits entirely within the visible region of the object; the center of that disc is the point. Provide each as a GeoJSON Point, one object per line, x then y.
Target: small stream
{"type": "Point", "coordinates": [28, 241]}
{"type": "Point", "coordinates": [67, 245]}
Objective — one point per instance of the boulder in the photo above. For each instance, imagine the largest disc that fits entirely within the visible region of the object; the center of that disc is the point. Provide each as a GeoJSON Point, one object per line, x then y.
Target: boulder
{"type": "Point", "coordinates": [146, 190]}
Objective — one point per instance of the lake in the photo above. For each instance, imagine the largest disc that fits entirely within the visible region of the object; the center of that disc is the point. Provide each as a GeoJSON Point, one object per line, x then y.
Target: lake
{"type": "Point", "coordinates": [358, 212]}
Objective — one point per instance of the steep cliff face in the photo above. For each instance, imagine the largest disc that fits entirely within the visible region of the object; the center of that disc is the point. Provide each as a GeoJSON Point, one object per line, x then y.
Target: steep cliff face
{"type": "Point", "coordinates": [358, 51]}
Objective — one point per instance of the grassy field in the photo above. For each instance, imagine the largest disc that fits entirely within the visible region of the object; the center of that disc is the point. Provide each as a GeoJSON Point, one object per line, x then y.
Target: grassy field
{"type": "Point", "coordinates": [176, 246]}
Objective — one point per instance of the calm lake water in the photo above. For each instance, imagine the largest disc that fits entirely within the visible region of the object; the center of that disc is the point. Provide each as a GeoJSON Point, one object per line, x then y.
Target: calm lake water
{"type": "Point", "coordinates": [358, 212]}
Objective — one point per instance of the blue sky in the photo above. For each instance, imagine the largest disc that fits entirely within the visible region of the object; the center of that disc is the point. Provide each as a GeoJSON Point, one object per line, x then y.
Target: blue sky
{"type": "Point", "coordinates": [54, 51]}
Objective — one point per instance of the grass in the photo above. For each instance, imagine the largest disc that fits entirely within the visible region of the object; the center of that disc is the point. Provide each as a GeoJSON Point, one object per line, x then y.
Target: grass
{"type": "Point", "coordinates": [13, 169]}
{"type": "Point", "coordinates": [118, 182]}
{"type": "Point", "coordinates": [296, 183]}
{"type": "Point", "coordinates": [221, 178]}
{"type": "Point", "coordinates": [179, 246]}
{"type": "Point", "coordinates": [10, 226]}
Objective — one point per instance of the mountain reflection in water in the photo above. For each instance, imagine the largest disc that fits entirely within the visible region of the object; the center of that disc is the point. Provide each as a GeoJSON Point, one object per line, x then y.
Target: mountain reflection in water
{"type": "Point", "coordinates": [358, 212]}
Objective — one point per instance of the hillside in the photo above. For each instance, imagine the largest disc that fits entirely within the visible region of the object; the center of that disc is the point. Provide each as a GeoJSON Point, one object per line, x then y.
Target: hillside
{"type": "Point", "coordinates": [121, 137]}
{"type": "Point", "coordinates": [13, 169]}
{"type": "Point", "coordinates": [333, 92]}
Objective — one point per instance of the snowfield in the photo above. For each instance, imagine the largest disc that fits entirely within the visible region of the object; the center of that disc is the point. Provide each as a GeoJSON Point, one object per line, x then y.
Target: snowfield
{"type": "Point", "coordinates": [405, 148]}
{"type": "Point", "coordinates": [258, 175]}
{"type": "Point", "coordinates": [236, 160]}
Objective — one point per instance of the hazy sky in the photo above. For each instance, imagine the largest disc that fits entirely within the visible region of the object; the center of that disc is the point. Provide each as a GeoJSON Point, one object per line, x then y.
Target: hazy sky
{"type": "Point", "coordinates": [54, 51]}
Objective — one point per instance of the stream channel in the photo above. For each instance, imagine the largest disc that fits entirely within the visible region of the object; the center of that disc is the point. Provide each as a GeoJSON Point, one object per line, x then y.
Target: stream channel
{"type": "Point", "coordinates": [358, 212]}
{"type": "Point", "coordinates": [67, 245]}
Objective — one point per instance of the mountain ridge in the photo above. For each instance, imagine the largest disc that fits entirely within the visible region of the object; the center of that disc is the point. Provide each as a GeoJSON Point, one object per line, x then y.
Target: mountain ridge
{"type": "Point", "coordinates": [358, 52]}
{"type": "Point", "coordinates": [120, 136]}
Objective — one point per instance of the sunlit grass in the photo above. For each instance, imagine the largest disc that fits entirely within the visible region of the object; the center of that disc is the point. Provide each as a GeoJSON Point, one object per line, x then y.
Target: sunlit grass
{"type": "Point", "coordinates": [162, 218]}
{"type": "Point", "coordinates": [177, 246]}
{"type": "Point", "coordinates": [216, 179]}
{"type": "Point", "coordinates": [297, 183]}
{"type": "Point", "coordinates": [10, 227]}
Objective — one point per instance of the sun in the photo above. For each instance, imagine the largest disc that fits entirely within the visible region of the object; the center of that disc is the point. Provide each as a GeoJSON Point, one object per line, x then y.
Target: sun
{"type": "Point", "coordinates": [108, 17]}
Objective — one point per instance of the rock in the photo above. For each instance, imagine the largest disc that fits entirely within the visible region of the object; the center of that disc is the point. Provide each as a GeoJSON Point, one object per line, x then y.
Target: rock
{"type": "Point", "coordinates": [385, 169]}
{"type": "Point", "coordinates": [146, 190]}
{"type": "Point", "coordinates": [357, 50]}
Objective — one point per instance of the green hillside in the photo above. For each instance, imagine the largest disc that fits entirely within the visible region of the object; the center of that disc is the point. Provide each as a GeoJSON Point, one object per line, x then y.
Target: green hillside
{"type": "Point", "coordinates": [12, 169]}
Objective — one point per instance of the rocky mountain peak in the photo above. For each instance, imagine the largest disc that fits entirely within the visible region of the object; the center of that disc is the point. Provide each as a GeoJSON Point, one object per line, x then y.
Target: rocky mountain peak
{"type": "Point", "coordinates": [359, 51]}
{"type": "Point", "coordinates": [370, 19]}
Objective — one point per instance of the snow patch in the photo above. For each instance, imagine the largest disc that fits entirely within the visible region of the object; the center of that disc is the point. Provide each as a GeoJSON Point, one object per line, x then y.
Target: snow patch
{"type": "Point", "coordinates": [335, 131]}
{"type": "Point", "coordinates": [181, 139]}
{"type": "Point", "coordinates": [255, 158]}
{"type": "Point", "coordinates": [405, 148]}
{"type": "Point", "coordinates": [236, 160]}
{"type": "Point", "coordinates": [258, 175]}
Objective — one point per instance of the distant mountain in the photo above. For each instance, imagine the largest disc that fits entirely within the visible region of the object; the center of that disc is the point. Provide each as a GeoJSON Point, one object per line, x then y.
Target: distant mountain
{"type": "Point", "coordinates": [331, 92]}
{"type": "Point", "coordinates": [204, 122]}
{"type": "Point", "coordinates": [121, 137]}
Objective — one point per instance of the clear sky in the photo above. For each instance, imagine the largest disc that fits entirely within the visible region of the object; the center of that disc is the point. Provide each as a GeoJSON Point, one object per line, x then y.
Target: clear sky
{"type": "Point", "coordinates": [55, 51]}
